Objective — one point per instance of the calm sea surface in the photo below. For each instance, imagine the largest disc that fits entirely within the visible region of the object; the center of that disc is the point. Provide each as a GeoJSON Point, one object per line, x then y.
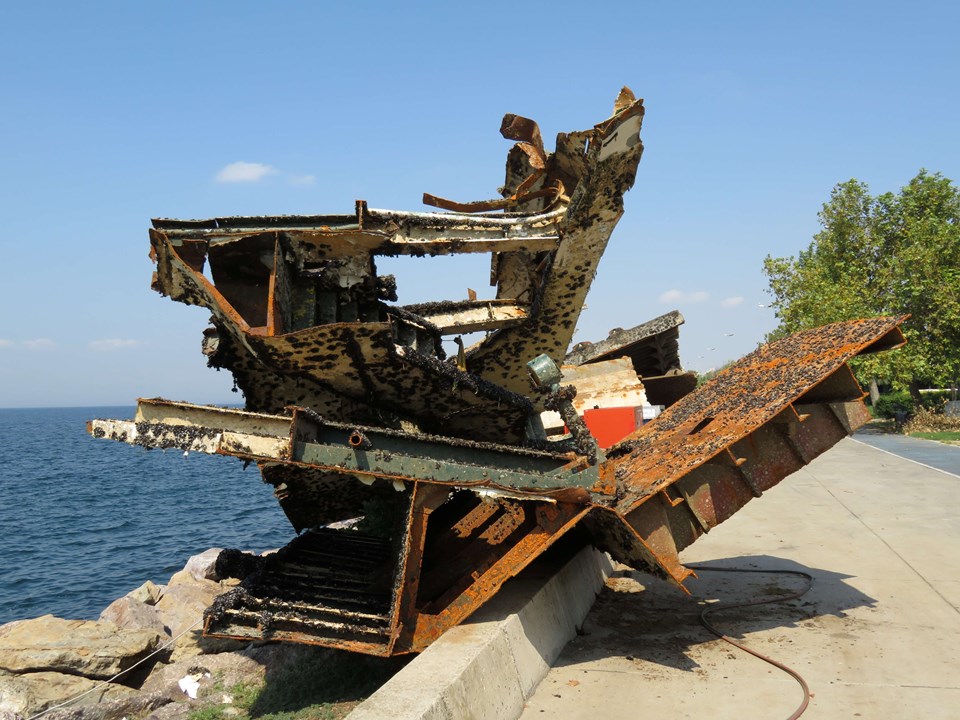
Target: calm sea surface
{"type": "Point", "coordinates": [84, 521]}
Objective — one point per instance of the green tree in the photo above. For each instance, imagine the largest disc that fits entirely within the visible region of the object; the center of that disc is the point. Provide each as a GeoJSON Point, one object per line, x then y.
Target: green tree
{"type": "Point", "coordinates": [886, 255]}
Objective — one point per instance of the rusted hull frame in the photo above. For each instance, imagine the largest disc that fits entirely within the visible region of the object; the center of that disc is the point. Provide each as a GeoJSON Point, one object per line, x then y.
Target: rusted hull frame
{"type": "Point", "coordinates": [354, 361]}
{"type": "Point", "coordinates": [596, 206]}
{"type": "Point", "coordinates": [760, 420]}
{"type": "Point", "coordinates": [768, 415]}
{"type": "Point", "coordinates": [301, 319]}
{"type": "Point", "coordinates": [551, 523]}
{"type": "Point", "coordinates": [348, 349]}
{"type": "Point", "coordinates": [428, 597]}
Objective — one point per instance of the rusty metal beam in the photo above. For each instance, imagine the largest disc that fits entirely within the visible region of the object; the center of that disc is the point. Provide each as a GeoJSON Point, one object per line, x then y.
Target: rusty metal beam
{"type": "Point", "coordinates": [384, 232]}
{"type": "Point", "coordinates": [653, 346]}
{"type": "Point", "coordinates": [452, 318]}
{"type": "Point", "coordinates": [594, 210]}
{"type": "Point", "coordinates": [352, 451]}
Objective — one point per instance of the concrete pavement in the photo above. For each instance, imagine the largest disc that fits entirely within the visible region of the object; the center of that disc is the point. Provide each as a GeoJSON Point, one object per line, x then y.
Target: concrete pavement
{"type": "Point", "coordinates": [877, 635]}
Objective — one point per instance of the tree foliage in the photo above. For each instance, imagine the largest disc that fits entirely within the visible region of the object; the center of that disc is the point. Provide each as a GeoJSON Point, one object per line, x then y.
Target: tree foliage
{"type": "Point", "coordinates": [887, 255]}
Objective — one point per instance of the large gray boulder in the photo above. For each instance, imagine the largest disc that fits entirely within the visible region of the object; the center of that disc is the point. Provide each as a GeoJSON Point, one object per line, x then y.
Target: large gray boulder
{"type": "Point", "coordinates": [184, 601]}
{"type": "Point", "coordinates": [204, 565]}
{"type": "Point", "coordinates": [129, 612]}
{"type": "Point", "coordinates": [92, 649]}
{"type": "Point", "coordinates": [148, 593]}
{"type": "Point", "coordinates": [181, 607]}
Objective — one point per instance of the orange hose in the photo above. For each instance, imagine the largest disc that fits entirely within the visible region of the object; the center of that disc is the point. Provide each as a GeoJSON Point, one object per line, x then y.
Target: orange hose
{"type": "Point", "coordinates": [716, 608]}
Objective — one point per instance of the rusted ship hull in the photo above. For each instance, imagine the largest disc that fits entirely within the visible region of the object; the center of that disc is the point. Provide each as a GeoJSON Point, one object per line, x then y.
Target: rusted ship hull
{"type": "Point", "coordinates": [420, 484]}
{"type": "Point", "coordinates": [468, 516]}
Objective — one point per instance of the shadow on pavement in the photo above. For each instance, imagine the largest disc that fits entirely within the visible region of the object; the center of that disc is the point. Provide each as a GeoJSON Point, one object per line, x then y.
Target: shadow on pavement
{"type": "Point", "coordinates": [640, 617]}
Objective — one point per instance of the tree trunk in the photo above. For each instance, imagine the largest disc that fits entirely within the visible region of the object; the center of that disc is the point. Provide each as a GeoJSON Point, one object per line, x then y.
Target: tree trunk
{"type": "Point", "coordinates": [874, 391]}
{"type": "Point", "coordinates": [915, 391]}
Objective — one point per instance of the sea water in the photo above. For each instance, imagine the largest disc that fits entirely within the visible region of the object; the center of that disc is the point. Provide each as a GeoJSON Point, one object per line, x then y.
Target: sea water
{"type": "Point", "coordinates": [84, 521]}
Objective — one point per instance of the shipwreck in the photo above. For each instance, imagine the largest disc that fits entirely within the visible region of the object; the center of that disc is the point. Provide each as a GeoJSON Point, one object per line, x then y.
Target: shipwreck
{"type": "Point", "coordinates": [419, 483]}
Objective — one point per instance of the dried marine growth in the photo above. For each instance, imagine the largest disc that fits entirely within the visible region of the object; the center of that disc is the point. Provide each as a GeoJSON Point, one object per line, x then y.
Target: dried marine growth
{"type": "Point", "coordinates": [421, 483]}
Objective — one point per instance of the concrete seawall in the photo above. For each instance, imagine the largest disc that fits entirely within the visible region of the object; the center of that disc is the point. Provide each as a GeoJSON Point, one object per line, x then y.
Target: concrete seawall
{"type": "Point", "coordinates": [487, 668]}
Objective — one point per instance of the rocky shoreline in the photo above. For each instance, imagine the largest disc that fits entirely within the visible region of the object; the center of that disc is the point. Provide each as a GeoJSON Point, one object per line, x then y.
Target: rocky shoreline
{"type": "Point", "coordinates": [48, 661]}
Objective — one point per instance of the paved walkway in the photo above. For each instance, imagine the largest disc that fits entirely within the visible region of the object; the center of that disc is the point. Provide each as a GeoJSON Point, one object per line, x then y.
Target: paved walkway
{"type": "Point", "coordinates": [926, 452]}
{"type": "Point", "coordinates": [877, 636]}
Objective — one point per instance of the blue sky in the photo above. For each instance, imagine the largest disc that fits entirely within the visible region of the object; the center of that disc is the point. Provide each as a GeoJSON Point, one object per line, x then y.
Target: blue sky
{"type": "Point", "coordinates": [114, 113]}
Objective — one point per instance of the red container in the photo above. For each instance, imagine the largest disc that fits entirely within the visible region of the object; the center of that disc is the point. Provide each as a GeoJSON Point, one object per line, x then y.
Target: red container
{"type": "Point", "coordinates": [611, 425]}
